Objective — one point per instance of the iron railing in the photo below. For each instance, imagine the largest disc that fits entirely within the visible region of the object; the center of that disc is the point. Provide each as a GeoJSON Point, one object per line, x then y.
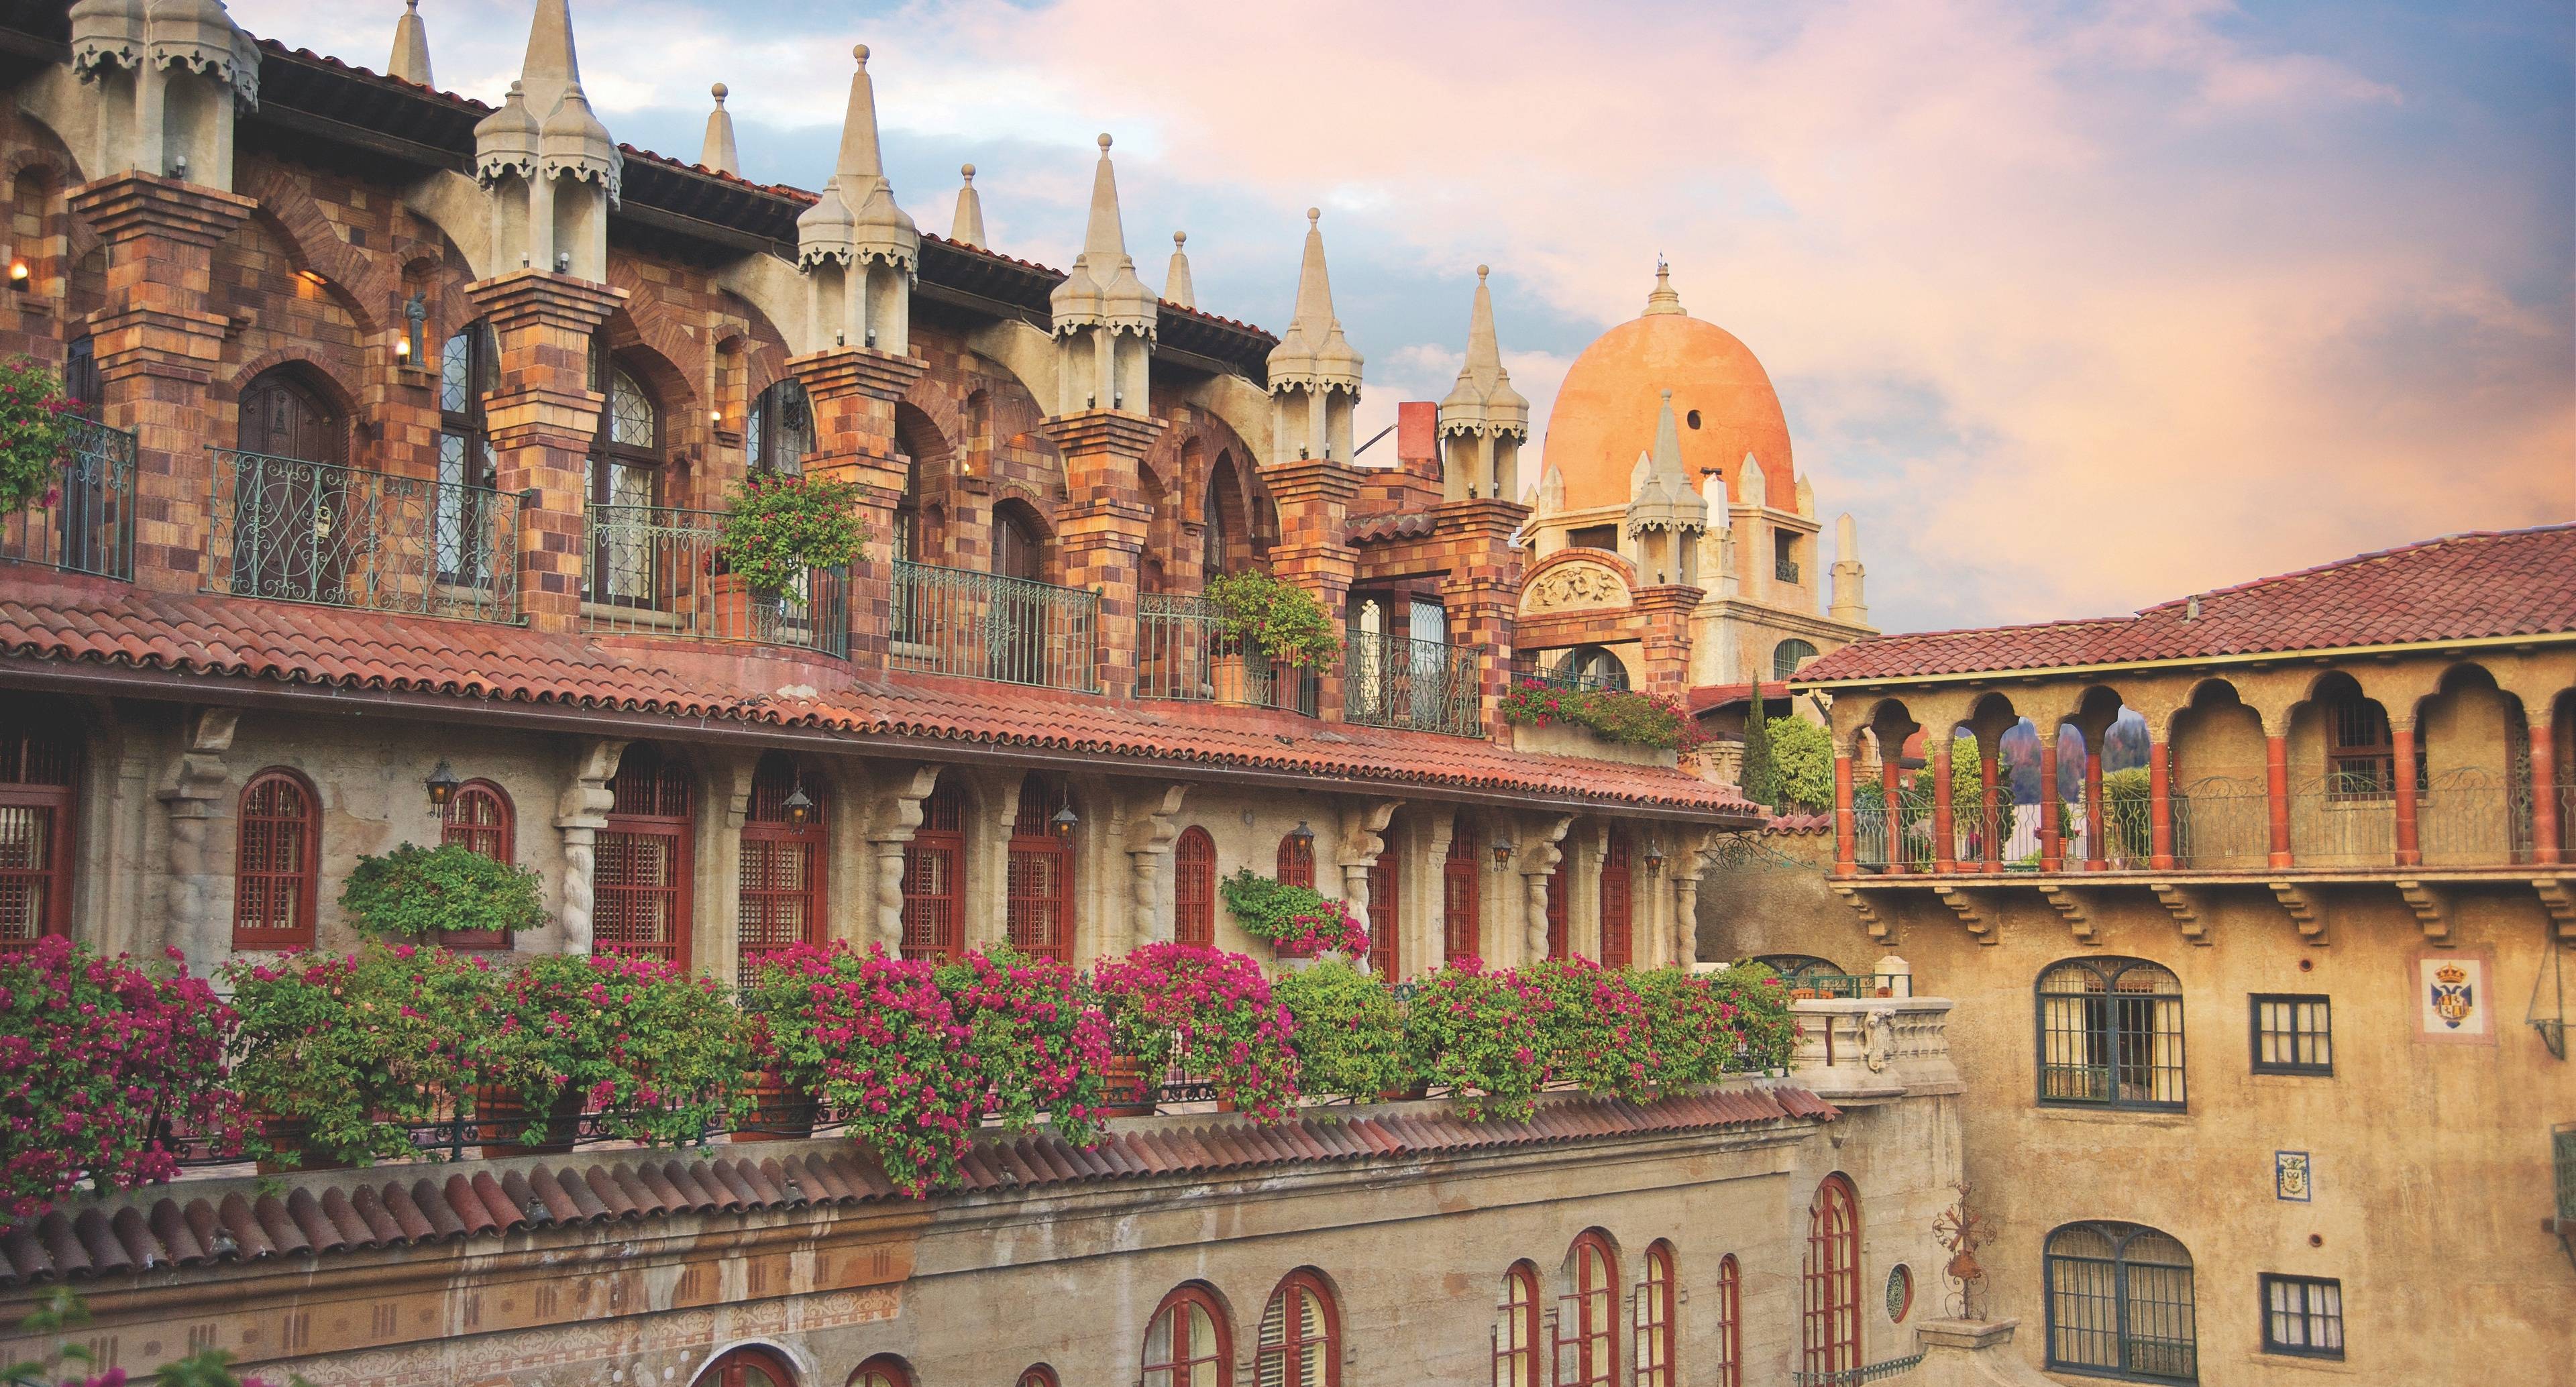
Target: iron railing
{"type": "Point", "coordinates": [2463, 818]}
{"type": "Point", "coordinates": [1184, 652]}
{"type": "Point", "coordinates": [2562, 1158]}
{"type": "Point", "coordinates": [1564, 677]}
{"type": "Point", "coordinates": [986, 626]}
{"type": "Point", "coordinates": [1786, 570]}
{"type": "Point", "coordinates": [654, 570]}
{"type": "Point", "coordinates": [86, 523]}
{"type": "Point", "coordinates": [299, 531]}
{"type": "Point", "coordinates": [2221, 823]}
{"type": "Point", "coordinates": [1427, 686]}
{"type": "Point", "coordinates": [1852, 1377]}
{"type": "Point", "coordinates": [1849, 986]}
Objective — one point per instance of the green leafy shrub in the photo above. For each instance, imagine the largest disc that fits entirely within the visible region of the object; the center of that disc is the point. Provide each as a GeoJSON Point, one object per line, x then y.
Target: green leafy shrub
{"type": "Point", "coordinates": [1483, 1036]}
{"type": "Point", "coordinates": [1349, 1036]}
{"type": "Point", "coordinates": [1802, 763]}
{"type": "Point", "coordinates": [1270, 909]}
{"type": "Point", "coordinates": [664, 1056]}
{"type": "Point", "coordinates": [1756, 1004]}
{"type": "Point", "coordinates": [35, 434]}
{"type": "Point", "coordinates": [416, 893]}
{"type": "Point", "coordinates": [1281, 619]}
{"type": "Point", "coordinates": [778, 527]}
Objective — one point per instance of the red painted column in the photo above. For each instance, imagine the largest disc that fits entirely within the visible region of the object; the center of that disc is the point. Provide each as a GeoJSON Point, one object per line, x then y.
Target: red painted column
{"type": "Point", "coordinates": [2276, 794]}
{"type": "Point", "coordinates": [2160, 804]}
{"type": "Point", "coordinates": [2097, 856]}
{"type": "Point", "coordinates": [1887, 771]}
{"type": "Point", "coordinates": [2052, 852]}
{"type": "Point", "coordinates": [1944, 842]}
{"type": "Point", "coordinates": [2544, 790]}
{"type": "Point", "coordinates": [1846, 846]}
{"type": "Point", "coordinates": [2409, 848]}
{"type": "Point", "coordinates": [1990, 762]}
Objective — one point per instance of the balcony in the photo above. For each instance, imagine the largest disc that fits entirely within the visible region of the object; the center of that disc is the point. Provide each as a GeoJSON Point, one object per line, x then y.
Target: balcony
{"type": "Point", "coordinates": [1184, 653]}
{"type": "Point", "coordinates": [87, 525]}
{"type": "Point", "coordinates": [1426, 686]}
{"type": "Point", "coordinates": [1785, 569]}
{"type": "Point", "coordinates": [297, 531]}
{"type": "Point", "coordinates": [985, 626]}
{"type": "Point", "coordinates": [653, 570]}
{"type": "Point", "coordinates": [1864, 1050]}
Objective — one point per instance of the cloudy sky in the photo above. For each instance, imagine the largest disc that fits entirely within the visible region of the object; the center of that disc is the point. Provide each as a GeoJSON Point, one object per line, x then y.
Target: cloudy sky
{"type": "Point", "coordinates": [2077, 307]}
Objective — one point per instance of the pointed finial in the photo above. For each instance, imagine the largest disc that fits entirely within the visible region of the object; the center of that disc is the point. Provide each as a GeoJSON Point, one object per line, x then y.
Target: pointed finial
{"type": "Point", "coordinates": [967, 227]}
{"type": "Point", "coordinates": [1104, 139]}
{"type": "Point", "coordinates": [552, 66]}
{"type": "Point", "coordinates": [410, 62]}
{"type": "Point", "coordinates": [1313, 215]}
{"type": "Point", "coordinates": [718, 152]}
{"type": "Point", "coordinates": [1663, 299]}
{"type": "Point", "coordinates": [1313, 353]}
{"type": "Point", "coordinates": [1176, 283]}
{"type": "Point", "coordinates": [1100, 288]}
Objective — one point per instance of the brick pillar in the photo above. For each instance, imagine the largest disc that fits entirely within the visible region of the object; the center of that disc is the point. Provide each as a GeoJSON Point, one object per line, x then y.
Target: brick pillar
{"type": "Point", "coordinates": [542, 418]}
{"type": "Point", "coordinates": [2276, 795]}
{"type": "Point", "coordinates": [1102, 527]}
{"type": "Point", "coordinates": [158, 350]}
{"type": "Point", "coordinates": [2401, 737]}
{"type": "Point", "coordinates": [2160, 804]}
{"type": "Point", "coordinates": [2052, 851]}
{"type": "Point", "coordinates": [1313, 497]}
{"type": "Point", "coordinates": [853, 390]}
{"type": "Point", "coordinates": [2096, 838]}
{"type": "Point", "coordinates": [1991, 803]}
{"type": "Point", "coordinates": [1481, 595]}
{"type": "Point", "coordinates": [1944, 840]}
{"type": "Point", "coordinates": [1846, 845]}
{"type": "Point", "coordinates": [1664, 629]}
{"type": "Point", "coordinates": [2545, 828]}
{"type": "Point", "coordinates": [1890, 765]}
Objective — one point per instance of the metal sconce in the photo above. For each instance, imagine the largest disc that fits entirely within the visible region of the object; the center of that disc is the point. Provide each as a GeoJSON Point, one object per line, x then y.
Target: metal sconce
{"type": "Point", "coordinates": [1302, 833]}
{"type": "Point", "coordinates": [798, 806]}
{"type": "Point", "coordinates": [442, 785]}
{"type": "Point", "coordinates": [416, 318]}
{"type": "Point", "coordinates": [1063, 823]}
{"type": "Point", "coordinates": [1654, 858]}
{"type": "Point", "coordinates": [1502, 853]}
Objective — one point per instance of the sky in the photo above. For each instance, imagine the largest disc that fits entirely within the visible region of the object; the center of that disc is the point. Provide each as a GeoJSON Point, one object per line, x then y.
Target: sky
{"type": "Point", "coordinates": [2075, 307]}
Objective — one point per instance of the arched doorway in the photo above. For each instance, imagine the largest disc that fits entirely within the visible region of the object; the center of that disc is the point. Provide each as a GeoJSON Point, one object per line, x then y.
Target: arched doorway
{"type": "Point", "coordinates": [748, 1367]}
{"type": "Point", "coordinates": [285, 539]}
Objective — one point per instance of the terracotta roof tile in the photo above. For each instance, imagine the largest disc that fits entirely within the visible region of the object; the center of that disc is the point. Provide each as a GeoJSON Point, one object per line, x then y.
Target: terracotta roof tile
{"type": "Point", "coordinates": [2474, 586]}
{"type": "Point", "coordinates": [51, 617]}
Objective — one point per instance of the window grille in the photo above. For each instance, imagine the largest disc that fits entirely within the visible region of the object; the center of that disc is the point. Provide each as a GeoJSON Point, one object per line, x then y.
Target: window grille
{"type": "Point", "coordinates": [1194, 889]}
{"type": "Point", "coordinates": [640, 891]}
{"type": "Point", "coordinates": [2303, 1316]}
{"type": "Point", "coordinates": [2110, 1035]}
{"type": "Point", "coordinates": [1385, 911]}
{"type": "Point", "coordinates": [781, 902]}
{"type": "Point", "coordinates": [2119, 1300]}
{"type": "Point", "coordinates": [275, 863]}
{"type": "Point", "coordinates": [1618, 887]}
{"type": "Point", "coordinates": [1516, 1329]}
{"type": "Point", "coordinates": [1459, 882]}
{"type": "Point", "coordinates": [39, 760]}
{"type": "Point", "coordinates": [934, 878]}
{"type": "Point", "coordinates": [1039, 900]}
{"type": "Point", "coordinates": [2293, 1034]}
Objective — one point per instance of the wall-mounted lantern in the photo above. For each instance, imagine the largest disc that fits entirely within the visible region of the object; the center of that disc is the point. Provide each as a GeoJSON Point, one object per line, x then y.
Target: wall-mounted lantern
{"type": "Point", "coordinates": [442, 784]}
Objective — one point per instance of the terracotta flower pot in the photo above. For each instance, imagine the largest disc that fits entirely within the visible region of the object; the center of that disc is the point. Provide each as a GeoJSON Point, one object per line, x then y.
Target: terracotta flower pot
{"type": "Point", "coordinates": [500, 1117]}
{"type": "Point", "coordinates": [780, 1111]}
{"type": "Point", "coordinates": [1419, 1089]}
{"type": "Point", "coordinates": [1127, 1094]}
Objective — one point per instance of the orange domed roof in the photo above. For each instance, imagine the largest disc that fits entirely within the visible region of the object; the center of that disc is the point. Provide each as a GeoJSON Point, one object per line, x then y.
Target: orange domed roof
{"type": "Point", "coordinates": [1605, 412]}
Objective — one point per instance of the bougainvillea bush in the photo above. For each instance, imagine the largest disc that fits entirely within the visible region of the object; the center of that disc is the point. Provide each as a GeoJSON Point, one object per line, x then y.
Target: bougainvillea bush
{"type": "Point", "coordinates": [1483, 1035]}
{"type": "Point", "coordinates": [99, 1059]}
{"type": "Point", "coordinates": [1692, 1032]}
{"type": "Point", "coordinates": [663, 1055]}
{"type": "Point", "coordinates": [339, 1056]}
{"type": "Point", "coordinates": [1298, 920]}
{"type": "Point", "coordinates": [1766, 1034]}
{"type": "Point", "coordinates": [1617, 715]}
{"type": "Point", "coordinates": [1209, 1011]}
{"type": "Point", "coordinates": [778, 527]}
{"type": "Point", "coordinates": [883, 1046]}
{"type": "Point", "coordinates": [1040, 1042]}
{"type": "Point", "coordinates": [35, 434]}
{"type": "Point", "coordinates": [1349, 1031]}
{"type": "Point", "coordinates": [1594, 1027]}
{"type": "Point", "coordinates": [415, 892]}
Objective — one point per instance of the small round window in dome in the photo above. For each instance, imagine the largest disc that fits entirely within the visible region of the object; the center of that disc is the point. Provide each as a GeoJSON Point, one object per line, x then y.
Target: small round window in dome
{"type": "Point", "coordinates": [1694, 418]}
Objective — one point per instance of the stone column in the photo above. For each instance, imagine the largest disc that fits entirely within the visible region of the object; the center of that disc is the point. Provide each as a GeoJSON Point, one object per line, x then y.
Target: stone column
{"type": "Point", "coordinates": [1944, 841]}
{"type": "Point", "coordinates": [1313, 498]}
{"type": "Point", "coordinates": [195, 914]}
{"type": "Point", "coordinates": [2160, 804]}
{"type": "Point", "coordinates": [893, 816]}
{"type": "Point", "coordinates": [1664, 629]}
{"type": "Point", "coordinates": [2096, 839]}
{"type": "Point", "coordinates": [1481, 595]}
{"type": "Point", "coordinates": [1102, 529]}
{"type": "Point", "coordinates": [2052, 850]}
{"type": "Point", "coordinates": [1890, 766]}
{"type": "Point", "coordinates": [159, 346]}
{"type": "Point", "coordinates": [542, 418]}
{"type": "Point", "coordinates": [1153, 825]}
{"type": "Point", "coordinates": [580, 813]}
{"type": "Point", "coordinates": [2276, 795]}
{"type": "Point", "coordinates": [1541, 858]}
{"type": "Point", "coordinates": [1846, 846]}
{"type": "Point", "coordinates": [1362, 840]}
{"type": "Point", "coordinates": [2401, 738]}
{"type": "Point", "coordinates": [853, 391]}
{"type": "Point", "coordinates": [2545, 828]}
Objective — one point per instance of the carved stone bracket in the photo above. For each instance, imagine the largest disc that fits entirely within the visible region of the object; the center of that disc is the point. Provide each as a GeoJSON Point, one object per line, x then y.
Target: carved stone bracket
{"type": "Point", "coordinates": [2301, 908]}
{"type": "Point", "coordinates": [1152, 827]}
{"type": "Point", "coordinates": [2069, 905]}
{"type": "Point", "coordinates": [891, 824]}
{"type": "Point", "coordinates": [1881, 930]}
{"type": "Point", "coordinates": [2558, 897]}
{"type": "Point", "coordinates": [2185, 911]}
{"type": "Point", "coordinates": [1969, 912]}
{"type": "Point", "coordinates": [2432, 910]}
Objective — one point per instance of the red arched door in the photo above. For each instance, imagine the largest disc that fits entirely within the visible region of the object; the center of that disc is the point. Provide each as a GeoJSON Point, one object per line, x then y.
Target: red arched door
{"type": "Point", "coordinates": [1386, 913]}
{"type": "Point", "coordinates": [39, 766]}
{"type": "Point", "coordinates": [1557, 944]}
{"type": "Point", "coordinates": [641, 883]}
{"type": "Point", "coordinates": [1458, 896]}
{"type": "Point", "coordinates": [748, 1367]}
{"type": "Point", "coordinates": [784, 846]}
{"type": "Point", "coordinates": [479, 816]}
{"type": "Point", "coordinates": [1618, 882]}
{"type": "Point", "coordinates": [1040, 903]}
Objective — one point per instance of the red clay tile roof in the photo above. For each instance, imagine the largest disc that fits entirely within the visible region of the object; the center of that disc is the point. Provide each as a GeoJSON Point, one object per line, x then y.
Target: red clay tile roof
{"type": "Point", "coordinates": [313, 1214]}
{"type": "Point", "coordinates": [1705, 697]}
{"type": "Point", "coordinates": [50, 618]}
{"type": "Point", "coordinates": [2474, 586]}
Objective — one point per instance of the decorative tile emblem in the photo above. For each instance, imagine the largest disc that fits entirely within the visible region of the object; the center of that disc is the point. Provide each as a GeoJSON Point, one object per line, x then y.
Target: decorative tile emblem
{"type": "Point", "coordinates": [2290, 1176]}
{"type": "Point", "coordinates": [2453, 1001]}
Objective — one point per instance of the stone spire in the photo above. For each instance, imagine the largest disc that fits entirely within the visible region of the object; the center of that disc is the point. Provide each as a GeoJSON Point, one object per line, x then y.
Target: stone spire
{"type": "Point", "coordinates": [856, 221]}
{"type": "Point", "coordinates": [1660, 494]}
{"type": "Point", "coordinates": [1312, 352]}
{"type": "Point", "coordinates": [1850, 604]}
{"type": "Point", "coordinates": [1101, 289]}
{"type": "Point", "coordinates": [719, 152]}
{"type": "Point", "coordinates": [967, 227]}
{"type": "Point", "coordinates": [410, 61]}
{"type": "Point", "coordinates": [167, 45]}
{"type": "Point", "coordinates": [1484, 420]}
{"type": "Point", "coordinates": [1176, 281]}
{"type": "Point", "coordinates": [545, 147]}
{"type": "Point", "coordinates": [1663, 299]}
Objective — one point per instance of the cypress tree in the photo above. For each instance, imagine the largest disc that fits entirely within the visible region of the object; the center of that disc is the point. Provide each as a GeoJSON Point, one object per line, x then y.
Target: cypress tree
{"type": "Point", "coordinates": [1761, 778]}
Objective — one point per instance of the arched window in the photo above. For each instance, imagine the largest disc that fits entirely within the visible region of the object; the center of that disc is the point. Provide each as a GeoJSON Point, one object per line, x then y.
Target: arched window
{"type": "Point", "coordinates": [1297, 858]}
{"type": "Point", "coordinates": [276, 864]}
{"type": "Point", "coordinates": [1301, 1335]}
{"type": "Point", "coordinates": [1559, 945]}
{"type": "Point", "coordinates": [780, 431]}
{"type": "Point", "coordinates": [1516, 1329]}
{"type": "Point", "coordinates": [1728, 1345]}
{"type": "Point", "coordinates": [884, 1370]}
{"type": "Point", "coordinates": [2120, 1303]}
{"type": "Point", "coordinates": [468, 370]}
{"type": "Point", "coordinates": [1459, 882]}
{"type": "Point", "coordinates": [1793, 967]}
{"type": "Point", "coordinates": [39, 776]}
{"type": "Point", "coordinates": [1788, 655]}
{"type": "Point", "coordinates": [1587, 1343]}
{"type": "Point", "coordinates": [1657, 1316]}
{"type": "Point", "coordinates": [1212, 545]}
{"type": "Point", "coordinates": [1589, 667]}
{"type": "Point", "coordinates": [2110, 1034]}
{"type": "Point", "coordinates": [1194, 888]}
{"type": "Point", "coordinates": [2361, 754]}
{"type": "Point", "coordinates": [1188, 1343]}
{"type": "Point", "coordinates": [785, 844]}
{"type": "Point", "coordinates": [1038, 1375]}
{"type": "Point", "coordinates": [1385, 910]}
{"type": "Point", "coordinates": [479, 816]}
{"type": "Point", "coordinates": [623, 482]}
{"type": "Point", "coordinates": [1618, 891]}
{"type": "Point", "coordinates": [934, 877]}
{"type": "Point", "coordinates": [1832, 1278]}
{"type": "Point", "coordinates": [1040, 904]}
{"type": "Point", "coordinates": [640, 885]}
{"type": "Point", "coordinates": [748, 1367]}
{"type": "Point", "coordinates": [1017, 550]}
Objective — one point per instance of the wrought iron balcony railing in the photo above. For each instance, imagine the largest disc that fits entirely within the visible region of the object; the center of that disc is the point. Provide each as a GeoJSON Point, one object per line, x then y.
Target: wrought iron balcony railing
{"type": "Point", "coordinates": [1564, 677]}
{"type": "Point", "coordinates": [653, 570]}
{"type": "Point", "coordinates": [1184, 653]}
{"type": "Point", "coordinates": [985, 626]}
{"type": "Point", "coordinates": [300, 531]}
{"type": "Point", "coordinates": [1427, 686]}
{"type": "Point", "coordinates": [87, 524]}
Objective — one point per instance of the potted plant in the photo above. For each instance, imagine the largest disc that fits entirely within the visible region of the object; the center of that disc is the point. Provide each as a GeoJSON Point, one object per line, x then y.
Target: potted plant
{"type": "Point", "coordinates": [35, 435]}
{"type": "Point", "coordinates": [1210, 1012]}
{"type": "Point", "coordinates": [432, 894]}
{"type": "Point", "coordinates": [1349, 1033]}
{"type": "Point", "coordinates": [1478, 1033]}
{"type": "Point", "coordinates": [875, 1037]}
{"type": "Point", "coordinates": [341, 1056]}
{"type": "Point", "coordinates": [1618, 716]}
{"type": "Point", "coordinates": [662, 1057]}
{"type": "Point", "coordinates": [1042, 1044]}
{"type": "Point", "coordinates": [1297, 921]}
{"type": "Point", "coordinates": [777, 529]}
{"type": "Point", "coordinates": [106, 1057]}
{"type": "Point", "coordinates": [1282, 620]}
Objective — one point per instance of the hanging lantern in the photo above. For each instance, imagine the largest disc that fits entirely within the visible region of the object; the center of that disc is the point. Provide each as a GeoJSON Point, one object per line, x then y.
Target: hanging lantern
{"type": "Point", "coordinates": [798, 806]}
{"type": "Point", "coordinates": [1502, 853]}
{"type": "Point", "coordinates": [1302, 833]}
{"type": "Point", "coordinates": [1654, 857]}
{"type": "Point", "coordinates": [442, 785]}
{"type": "Point", "coordinates": [1063, 823]}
